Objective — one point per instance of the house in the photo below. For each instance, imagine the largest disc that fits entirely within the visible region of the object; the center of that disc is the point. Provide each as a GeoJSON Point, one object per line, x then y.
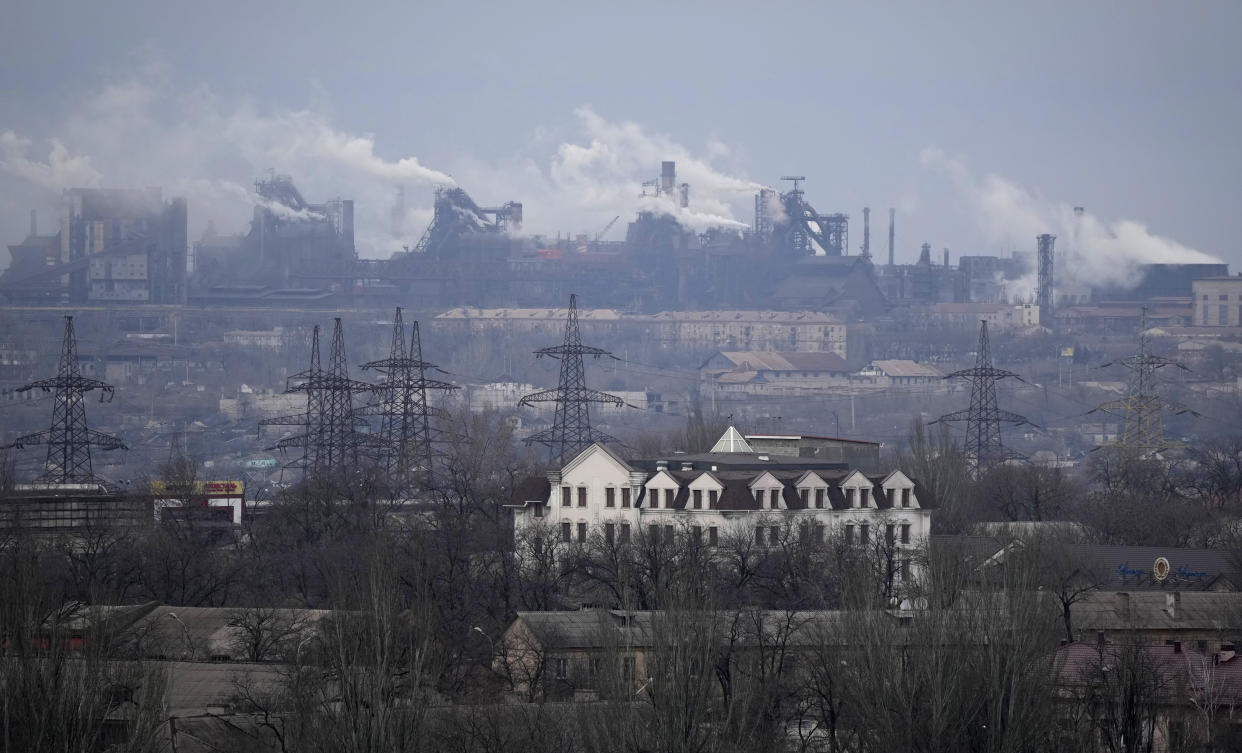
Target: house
{"type": "Point", "coordinates": [601, 497]}
{"type": "Point", "coordinates": [899, 372]}
{"type": "Point", "coordinates": [774, 372]}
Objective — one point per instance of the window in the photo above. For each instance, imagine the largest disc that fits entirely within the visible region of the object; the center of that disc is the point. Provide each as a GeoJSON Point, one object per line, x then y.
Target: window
{"type": "Point", "coordinates": [889, 534]}
{"type": "Point", "coordinates": [819, 499]}
{"type": "Point", "coordinates": [905, 533]}
{"type": "Point", "coordinates": [697, 532]}
{"type": "Point", "coordinates": [713, 497]}
{"type": "Point", "coordinates": [562, 669]}
{"type": "Point", "coordinates": [698, 499]}
{"type": "Point", "coordinates": [850, 499]}
{"type": "Point", "coordinates": [774, 535]}
{"type": "Point", "coordinates": [668, 498]}
{"type": "Point", "coordinates": [653, 533]}
{"type": "Point", "coordinates": [889, 496]}
{"type": "Point", "coordinates": [819, 533]}
{"type": "Point", "coordinates": [610, 497]}
{"type": "Point", "coordinates": [609, 532]}
{"type": "Point", "coordinates": [582, 533]}
{"type": "Point", "coordinates": [566, 532]}
{"type": "Point", "coordinates": [625, 533]}
{"type": "Point", "coordinates": [538, 510]}
{"type": "Point", "coordinates": [905, 497]}
{"type": "Point", "coordinates": [805, 496]}
{"type": "Point", "coordinates": [564, 496]}
{"type": "Point", "coordinates": [864, 533]}
{"type": "Point", "coordinates": [849, 533]}
{"type": "Point", "coordinates": [625, 496]}
{"type": "Point", "coordinates": [759, 535]}
{"type": "Point", "coordinates": [581, 496]}
{"type": "Point", "coordinates": [712, 536]}
{"type": "Point", "coordinates": [1222, 315]}
{"type": "Point", "coordinates": [668, 534]}
{"type": "Point", "coordinates": [905, 571]}
{"type": "Point", "coordinates": [759, 497]}
{"type": "Point", "coordinates": [866, 497]}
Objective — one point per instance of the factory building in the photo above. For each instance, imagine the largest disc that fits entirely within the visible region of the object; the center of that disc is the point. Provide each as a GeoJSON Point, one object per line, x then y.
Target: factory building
{"type": "Point", "coordinates": [1217, 301]}
{"type": "Point", "coordinates": [113, 245]}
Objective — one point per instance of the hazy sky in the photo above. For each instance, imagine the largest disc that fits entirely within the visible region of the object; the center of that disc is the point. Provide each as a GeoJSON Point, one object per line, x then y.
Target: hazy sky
{"type": "Point", "coordinates": [982, 122]}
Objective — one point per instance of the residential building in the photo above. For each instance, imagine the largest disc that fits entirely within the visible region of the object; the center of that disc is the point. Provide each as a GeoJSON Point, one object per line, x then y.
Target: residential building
{"type": "Point", "coordinates": [899, 372]}
{"type": "Point", "coordinates": [730, 491]}
{"type": "Point", "coordinates": [774, 372]}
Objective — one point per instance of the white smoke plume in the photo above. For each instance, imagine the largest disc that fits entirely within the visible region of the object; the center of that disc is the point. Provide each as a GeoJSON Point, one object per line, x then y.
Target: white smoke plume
{"type": "Point", "coordinates": [1089, 250]}
{"type": "Point", "coordinates": [147, 129]}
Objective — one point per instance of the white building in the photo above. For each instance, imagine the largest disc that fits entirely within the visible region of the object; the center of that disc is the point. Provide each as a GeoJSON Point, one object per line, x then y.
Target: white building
{"type": "Point", "coordinates": [728, 492]}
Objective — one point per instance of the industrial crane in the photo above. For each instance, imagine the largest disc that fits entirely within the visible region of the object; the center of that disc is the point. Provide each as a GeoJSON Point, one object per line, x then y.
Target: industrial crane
{"type": "Point", "coordinates": [607, 227]}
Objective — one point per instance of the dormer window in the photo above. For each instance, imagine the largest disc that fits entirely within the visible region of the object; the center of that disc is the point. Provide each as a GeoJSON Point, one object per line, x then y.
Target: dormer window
{"type": "Point", "coordinates": [582, 496]}
{"type": "Point", "coordinates": [669, 494]}
{"type": "Point", "coordinates": [775, 496]}
{"type": "Point", "coordinates": [890, 495]}
{"type": "Point", "coordinates": [905, 497]}
{"type": "Point", "coordinates": [819, 499]}
{"type": "Point", "coordinates": [805, 495]}
{"type": "Point", "coordinates": [698, 499]}
{"type": "Point", "coordinates": [866, 497]}
{"type": "Point", "coordinates": [851, 498]}
{"type": "Point", "coordinates": [759, 497]}
{"type": "Point", "coordinates": [713, 497]}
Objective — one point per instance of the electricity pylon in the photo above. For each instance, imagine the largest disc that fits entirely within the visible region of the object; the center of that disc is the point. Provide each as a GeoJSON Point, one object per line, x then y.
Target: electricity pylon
{"type": "Point", "coordinates": [1142, 409]}
{"type": "Point", "coordinates": [983, 418]}
{"type": "Point", "coordinates": [69, 440]}
{"type": "Point", "coordinates": [571, 428]}
{"type": "Point", "coordinates": [331, 441]}
{"type": "Point", "coordinates": [404, 410]}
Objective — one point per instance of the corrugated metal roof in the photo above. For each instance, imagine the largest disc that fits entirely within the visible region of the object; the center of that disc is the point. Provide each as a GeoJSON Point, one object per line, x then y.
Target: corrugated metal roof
{"type": "Point", "coordinates": [904, 368]}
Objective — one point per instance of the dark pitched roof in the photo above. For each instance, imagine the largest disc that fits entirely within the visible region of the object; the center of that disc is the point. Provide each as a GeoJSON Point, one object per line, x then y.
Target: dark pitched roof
{"type": "Point", "coordinates": [530, 488]}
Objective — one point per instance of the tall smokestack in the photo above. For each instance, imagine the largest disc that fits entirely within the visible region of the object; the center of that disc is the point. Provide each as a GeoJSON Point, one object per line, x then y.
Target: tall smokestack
{"type": "Point", "coordinates": [1043, 290]}
{"type": "Point", "coordinates": [892, 228]}
{"type": "Point", "coordinates": [866, 247]}
{"type": "Point", "coordinates": [668, 176]}
{"type": "Point", "coordinates": [946, 258]}
{"type": "Point", "coordinates": [683, 194]}
{"type": "Point", "coordinates": [34, 222]}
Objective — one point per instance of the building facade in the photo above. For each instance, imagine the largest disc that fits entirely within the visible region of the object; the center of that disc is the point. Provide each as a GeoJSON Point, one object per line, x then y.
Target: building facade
{"type": "Point", "coordinates": [729, 492]}
{"type": "Point", "coordinates": [1218, 302]}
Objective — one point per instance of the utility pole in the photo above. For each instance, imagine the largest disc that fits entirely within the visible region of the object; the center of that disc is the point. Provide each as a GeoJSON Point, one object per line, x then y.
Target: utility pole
{"type": "Point", "coordinates": [571, 429]}
{"type": "Point", "coordinates": [983, 418]}
{"type": "Point", "coordinates": [1142, 409]}
{"type": "Point", "coordinates": [69, 439]}
{"type": "Point", "coordinates": [404, 410]}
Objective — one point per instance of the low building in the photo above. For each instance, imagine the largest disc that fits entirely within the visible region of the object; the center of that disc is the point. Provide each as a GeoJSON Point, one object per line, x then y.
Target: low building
{"type": "Point", "coordinates": [773, 372]}
{"type": "Point", "coordinates": [1001, 317]}
{"type": "Point", "coordinates": [71, 508]}
{"type": "Point", "coordinates": [857, 453]}
{"type": "Point", "coordinates": [899, 372]}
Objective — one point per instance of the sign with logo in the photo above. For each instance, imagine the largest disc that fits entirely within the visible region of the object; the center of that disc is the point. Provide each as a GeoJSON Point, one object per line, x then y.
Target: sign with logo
{"type": "Point", "coordinates": [1160, 569]}
{"type": "Point", "coordinates": [203, 488]}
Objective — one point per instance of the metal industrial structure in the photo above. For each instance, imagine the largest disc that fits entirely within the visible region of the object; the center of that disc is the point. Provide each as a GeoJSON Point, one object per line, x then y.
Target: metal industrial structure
{"type": "Point", "coordinates": [983, 418]}
{"type": "Point", "coordinates": [69, 439]}
{"type": "Point", "coordinates": [571, 429]}
{"type": "Point", "coordinates": [1142, 409]}
{"type": "Point", "coordinates": [1044, 295]}
{"type": "Point", "coordinates": [406, 425]}
{"type": "Point", "coordinates": [330, 441]}
{"type": "Point", "coordinates": [802, 231]}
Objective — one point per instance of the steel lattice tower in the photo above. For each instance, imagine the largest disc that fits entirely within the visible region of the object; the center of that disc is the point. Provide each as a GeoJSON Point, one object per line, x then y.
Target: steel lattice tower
{"type": "Point", "coordinates": [983, 418]}
{"type": "Point", "coordinates": [571, 429]}
{"type": "Point", "coordinates": [69, 439]}
{"type": "Point", "coordinates": [331, 441]}
{"type": "Point", "coordinates": [404, 410]}
{"type": "Point", "coordinates": [1142, 409]}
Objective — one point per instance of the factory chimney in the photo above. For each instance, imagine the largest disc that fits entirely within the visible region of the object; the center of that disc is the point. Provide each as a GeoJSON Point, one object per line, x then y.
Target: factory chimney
{"type": "Point", "coordinates": [1044, 283]}
{"type": "Point", "coordinates": [946, 258]}
{"type": "Point", "coordinates": [668, 176]}
{"type": "Point", "coordinates": [892, 225]}
{"type": "Point", "coordinates": [683, 195]}
{"type": "Point", "coordinates": [34, 222]}
{"type": "Point", "coordinates": [866, 246]}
